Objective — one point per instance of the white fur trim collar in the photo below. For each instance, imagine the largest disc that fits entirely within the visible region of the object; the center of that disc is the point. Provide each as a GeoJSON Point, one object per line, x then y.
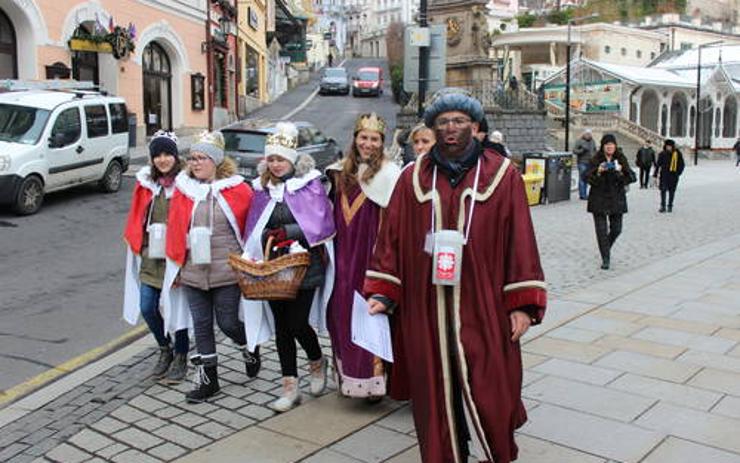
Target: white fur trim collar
{"type": "Point", "coordinates": [144, 177]}
{"type": "Point", "coordinates": [198, 191]}
{"type": "Point", "coordinates": [292, 184]}
{"type": "Point", "coordinates": [380, 187]}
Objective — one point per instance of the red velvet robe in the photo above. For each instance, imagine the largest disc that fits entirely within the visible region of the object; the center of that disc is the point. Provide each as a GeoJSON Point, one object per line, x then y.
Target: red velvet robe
{"type": "Point", "coordinates": [500, 272]}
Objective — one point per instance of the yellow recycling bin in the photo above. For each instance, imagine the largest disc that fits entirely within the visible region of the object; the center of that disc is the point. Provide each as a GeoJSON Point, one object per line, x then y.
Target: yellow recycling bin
{"type": "Point", "coordinates": [533, 184]}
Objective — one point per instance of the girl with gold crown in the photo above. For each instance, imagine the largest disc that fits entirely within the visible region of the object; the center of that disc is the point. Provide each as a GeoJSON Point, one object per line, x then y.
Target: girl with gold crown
{"type": "Point", "coordinates": [206, 223]}
{"type": "Point", "coordinates": [362, 185]}
{"type": "Point", "coordinates": [291, 206]}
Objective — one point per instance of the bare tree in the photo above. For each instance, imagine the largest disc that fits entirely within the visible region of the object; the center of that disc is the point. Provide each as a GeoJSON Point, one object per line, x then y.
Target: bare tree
{"type": "Point", "coordinates": [394, 43]}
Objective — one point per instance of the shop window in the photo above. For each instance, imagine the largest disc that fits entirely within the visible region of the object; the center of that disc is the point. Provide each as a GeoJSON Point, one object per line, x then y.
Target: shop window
{"type": "Point", "coordinates": [96, 120]}
{"type": "Point", "coordinates": [118, 120]}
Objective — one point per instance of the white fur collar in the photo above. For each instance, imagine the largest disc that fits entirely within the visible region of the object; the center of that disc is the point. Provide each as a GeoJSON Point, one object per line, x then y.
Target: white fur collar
{"type": "Point", "coordinates": [144, 177]}
{"type": "Point", "coordinates": [292, 184]}
{"type": "Point", "coordinates": [198, 191]}
{"type": "Point", "coordinates": [380, 187]}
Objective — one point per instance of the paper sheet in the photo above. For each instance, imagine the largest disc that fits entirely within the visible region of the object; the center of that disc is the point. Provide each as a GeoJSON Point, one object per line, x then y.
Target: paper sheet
{"type": "Point", "coordinates": [371, 332]}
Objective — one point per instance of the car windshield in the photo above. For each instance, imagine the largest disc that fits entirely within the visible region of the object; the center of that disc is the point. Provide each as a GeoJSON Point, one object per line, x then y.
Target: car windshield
{"type": "Point", "coordinates": [22, 124]}
{"type": "Point", "coordinates": [368, 75]}
{"type": "Point", "coordinates": [335, 73]}
{"type": "Point", "coordinates": [244, 141]}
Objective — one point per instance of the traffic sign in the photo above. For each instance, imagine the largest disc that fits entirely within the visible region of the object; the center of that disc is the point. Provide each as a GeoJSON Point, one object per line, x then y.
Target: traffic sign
{"type": "Point", "coordinates": [437, 60]}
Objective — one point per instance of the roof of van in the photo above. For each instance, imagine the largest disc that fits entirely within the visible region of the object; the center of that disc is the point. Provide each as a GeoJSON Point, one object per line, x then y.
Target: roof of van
{"type": "Point", "coordinates": [46, 99]}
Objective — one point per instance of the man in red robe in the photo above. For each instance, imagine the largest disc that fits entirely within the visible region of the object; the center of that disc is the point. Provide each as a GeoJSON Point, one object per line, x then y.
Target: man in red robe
{"type": "Point", "coordinates": [457, 346]}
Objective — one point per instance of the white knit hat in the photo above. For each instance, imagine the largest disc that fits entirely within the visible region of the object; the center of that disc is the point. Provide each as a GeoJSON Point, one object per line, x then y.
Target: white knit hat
{"type": "Point", "coordinates": [283, 142]}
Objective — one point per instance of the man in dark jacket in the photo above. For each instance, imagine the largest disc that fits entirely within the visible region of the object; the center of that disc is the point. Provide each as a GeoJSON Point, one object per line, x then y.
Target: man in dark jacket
{"type": "Point", "coordinates": [668, 169]}
{"type": "Point", "coordinates": [645, 160]}
{"type": "Point", "coordinates": [584, 150]}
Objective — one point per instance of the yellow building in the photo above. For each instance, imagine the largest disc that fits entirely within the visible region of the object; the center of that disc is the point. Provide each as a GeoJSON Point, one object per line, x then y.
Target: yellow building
{"type": "Point", "coordinates": [252, 54]}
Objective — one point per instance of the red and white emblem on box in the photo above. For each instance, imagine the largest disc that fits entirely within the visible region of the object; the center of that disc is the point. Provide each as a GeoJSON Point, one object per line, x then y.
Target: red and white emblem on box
{"type": "Point", "coordinates": [446, 263]}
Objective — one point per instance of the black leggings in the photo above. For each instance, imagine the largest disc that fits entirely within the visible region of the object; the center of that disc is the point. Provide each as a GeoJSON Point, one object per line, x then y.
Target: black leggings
{"type": "Point", "coordinates": [291, 323]}
{"type": "Point", "coordinates": [607, 235]}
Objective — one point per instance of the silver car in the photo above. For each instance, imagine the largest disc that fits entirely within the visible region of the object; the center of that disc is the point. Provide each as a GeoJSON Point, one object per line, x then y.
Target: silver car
{"type": "Point", "coordinates": [334, 80]}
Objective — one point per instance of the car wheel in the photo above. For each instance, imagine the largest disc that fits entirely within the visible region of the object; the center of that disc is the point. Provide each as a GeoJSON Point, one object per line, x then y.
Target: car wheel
{"type": "Point", "coordinates": [111, 181]}
{"type": "Point", "coordinates": [30, 196]}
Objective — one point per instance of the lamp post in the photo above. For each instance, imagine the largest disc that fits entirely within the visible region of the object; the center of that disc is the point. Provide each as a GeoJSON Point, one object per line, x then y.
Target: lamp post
{"type": "Point", "coordinates": [423, 59]}
{"type": "Point", "coordinates": [697, 121]}
{"type": "Point", "coordinates": [567, 79]}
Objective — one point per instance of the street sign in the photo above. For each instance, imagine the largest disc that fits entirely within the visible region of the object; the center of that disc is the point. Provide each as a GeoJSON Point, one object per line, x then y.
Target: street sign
{"type": "Point", "coordinates": [419, 36]}
{"type": "Point", "coordinates": [437, 60]}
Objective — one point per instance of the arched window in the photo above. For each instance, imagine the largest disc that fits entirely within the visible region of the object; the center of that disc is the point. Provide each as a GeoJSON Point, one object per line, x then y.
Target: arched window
{"type": "Point", "coordinates": [678, 115]}
{"type": "Point", "coordinates": [8, 54]}
{"type": "Point", "coordinates": [717, 118]}
{"type": "Point", "coordinates": [692, 121]}
{"type": "Point", "coordinates": [157, 88]}
{"type": "Point", "coordinates": [729, 123]}
{"type": "Point", "coordinates": [649, 110]}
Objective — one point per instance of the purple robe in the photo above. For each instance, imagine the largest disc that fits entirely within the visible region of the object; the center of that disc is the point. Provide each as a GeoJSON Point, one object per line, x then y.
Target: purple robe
{"type": "Point", "coordinates": [357, 219]}
{"type": "Point", "coordinates": [309, 206]}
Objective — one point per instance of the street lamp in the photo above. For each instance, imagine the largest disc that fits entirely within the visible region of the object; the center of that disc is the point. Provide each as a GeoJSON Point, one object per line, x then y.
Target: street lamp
{"type": "Point", "coordinates": [567, 78]}
{"type": "Point", "coordinates": [697, 121]}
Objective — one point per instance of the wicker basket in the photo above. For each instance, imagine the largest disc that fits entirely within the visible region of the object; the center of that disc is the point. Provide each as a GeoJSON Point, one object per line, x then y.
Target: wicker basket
{"type": "Point", "coordinates": [272, 280]}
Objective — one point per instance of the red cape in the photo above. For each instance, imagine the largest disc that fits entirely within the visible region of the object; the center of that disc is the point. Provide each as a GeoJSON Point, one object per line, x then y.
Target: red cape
{"type": "Point", "coordinates": [137, 215]}
{"type": "Point", "coordinates": [501, 272]}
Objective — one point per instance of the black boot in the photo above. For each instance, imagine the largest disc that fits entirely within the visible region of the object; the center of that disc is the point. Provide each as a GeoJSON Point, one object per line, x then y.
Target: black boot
{"type": "Point", "coordinates": [605, 263]}
{"type": "Point", "coordinates": [206, 378]}
{"type": "Point", "coordinates": [252, 361]}
{"type": "Point", "coordinates": [163, 362]}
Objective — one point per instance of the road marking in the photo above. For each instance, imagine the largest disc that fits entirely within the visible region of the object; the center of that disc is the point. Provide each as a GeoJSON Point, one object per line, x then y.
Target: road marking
{"type": "Point", "coordinates": [306, 102]}
{"type": "Point", "coordinates": [42, 379]}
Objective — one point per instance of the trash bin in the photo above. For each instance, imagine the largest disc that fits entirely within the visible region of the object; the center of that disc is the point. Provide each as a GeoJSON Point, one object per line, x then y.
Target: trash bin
{"type": "Point", "coordinates": [533, 184]}
{"type": "Point", "coordinates": [556, 167]}
{"type": "Point", "coordinates": [131, 130]}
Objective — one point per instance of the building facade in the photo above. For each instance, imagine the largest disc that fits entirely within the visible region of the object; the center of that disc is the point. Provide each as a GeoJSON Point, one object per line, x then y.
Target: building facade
{"type": "Point", "coordinates": [159, 68]}
{"type": "Point", "coordinates": [252, 38]}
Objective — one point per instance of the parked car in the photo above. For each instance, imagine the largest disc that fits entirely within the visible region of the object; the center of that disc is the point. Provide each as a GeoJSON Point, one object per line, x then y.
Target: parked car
{"type": "Point", "coordinates": [54, 140]}
{"type": "Point", "coordinates": [334, 80]}
{"type": "Point", "coordinates": [368, 81]}
{"type": "Point", "coordinates": [245, 142]}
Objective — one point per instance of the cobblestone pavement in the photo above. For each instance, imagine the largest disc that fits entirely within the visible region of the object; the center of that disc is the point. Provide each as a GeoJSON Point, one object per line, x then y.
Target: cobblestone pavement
{"type": "Point", "coordinates": [122, 416]}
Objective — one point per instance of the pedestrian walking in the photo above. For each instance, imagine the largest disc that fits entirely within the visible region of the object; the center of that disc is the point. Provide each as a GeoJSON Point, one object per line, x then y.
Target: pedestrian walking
{"type": "Point", "coordinates": [145, 259]}
{"type": "Point", "coordinates": [362, 184]}
{"type": "Point", "coordinates": [513, 83]}
{"type": "Point", "coordinates": [608, 175]}
{"type": "Point", "coordinates": [207, 217]}
{"type": "Point", "coordinates": [736, 147]}
{"type": "Point", "coordinates": [465, 280]}
{"type": "Point", "coordinates": [330, 59]}
{"type": "Point", "coordinates": [584, 150]}
{"type": "Point", "coordinates": [668, 169]}
{"type": "Point", "coordinates": [422, 139]}
{"type": "Point", "coordinates": [645, 160]}
{"type": "Point", "coordinates": [291, 207]}
{"type": "Point", "coordinates": [486, 140]}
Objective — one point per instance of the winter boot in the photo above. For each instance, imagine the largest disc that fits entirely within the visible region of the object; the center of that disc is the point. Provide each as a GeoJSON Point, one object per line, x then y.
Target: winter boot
{"type": "Point", "coordinates": [291, 395]}
{"type": "Point", "coordinates": [252, 361]}
{"type": "Point", "coordinates": [178, 369]}
{"type": "Point", "coordinates": [205, 380]}
{"type": "Point", "coordinates": [163, 362]}
{"type": "Point", "coordinates": [318, 375]}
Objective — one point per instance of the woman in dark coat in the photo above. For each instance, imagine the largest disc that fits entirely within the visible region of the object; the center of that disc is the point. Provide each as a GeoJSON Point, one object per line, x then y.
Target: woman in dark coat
{"type": "Point", "coordinates": [667, 170]}
{"type": "Point", "coordinates": [608, 174]}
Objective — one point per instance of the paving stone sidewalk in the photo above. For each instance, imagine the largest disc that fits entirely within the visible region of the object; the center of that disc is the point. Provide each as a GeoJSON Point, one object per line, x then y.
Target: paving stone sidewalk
{"type": "Point", "coordinates": [638, 364]}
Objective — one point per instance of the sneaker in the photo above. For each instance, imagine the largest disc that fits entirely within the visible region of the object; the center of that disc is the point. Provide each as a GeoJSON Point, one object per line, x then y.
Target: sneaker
{"type": "Point", "coordinates": [318, 368]}
{"type": "Point", "coordinates": [252, 361]}
{"type": "Point", "coordinates": [291, 395]}
{"type": "Point", "coordinates": [163, 362]}
{"type": "Point", "coordinates": [178, 370]}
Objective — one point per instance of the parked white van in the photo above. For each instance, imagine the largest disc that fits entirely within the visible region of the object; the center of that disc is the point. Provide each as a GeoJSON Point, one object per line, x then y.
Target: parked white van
{"type": "Point", "coordinates": [53, 140]}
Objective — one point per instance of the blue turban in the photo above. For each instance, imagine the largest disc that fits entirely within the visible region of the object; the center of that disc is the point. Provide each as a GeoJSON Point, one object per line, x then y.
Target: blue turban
{"type": "Point", "coordinates": [453, 102]}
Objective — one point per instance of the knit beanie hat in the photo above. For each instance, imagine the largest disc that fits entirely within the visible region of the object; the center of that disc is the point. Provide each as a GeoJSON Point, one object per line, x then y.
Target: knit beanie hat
{"type": "Point", "coordinates": [283, 142]}
{"type": "Point", "coordinates": [211, 144]}
{"type": "Point", "coordinates": [608, 138]}
{"type": "Point", "coordinates": [163, 142]}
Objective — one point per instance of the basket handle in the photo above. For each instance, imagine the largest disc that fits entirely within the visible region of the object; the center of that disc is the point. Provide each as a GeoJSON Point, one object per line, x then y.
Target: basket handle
{"type": "Point", "coordinates": [268, 246]}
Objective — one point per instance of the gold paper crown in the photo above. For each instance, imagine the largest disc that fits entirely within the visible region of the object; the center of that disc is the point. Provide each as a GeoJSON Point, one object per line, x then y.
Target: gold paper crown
{"type": "Point", "coordinates": [212, 138]}
{"type": "Point", "coordinates": [371, 122]}
{"type": "Point", "coordinates": [282, 139]}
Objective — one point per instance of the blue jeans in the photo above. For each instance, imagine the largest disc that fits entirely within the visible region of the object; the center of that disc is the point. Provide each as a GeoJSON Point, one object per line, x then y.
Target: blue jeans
{"type": "Point", "coordinates": [149, 305]}
{"type": "Point", "coordinates": [582, 185]}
